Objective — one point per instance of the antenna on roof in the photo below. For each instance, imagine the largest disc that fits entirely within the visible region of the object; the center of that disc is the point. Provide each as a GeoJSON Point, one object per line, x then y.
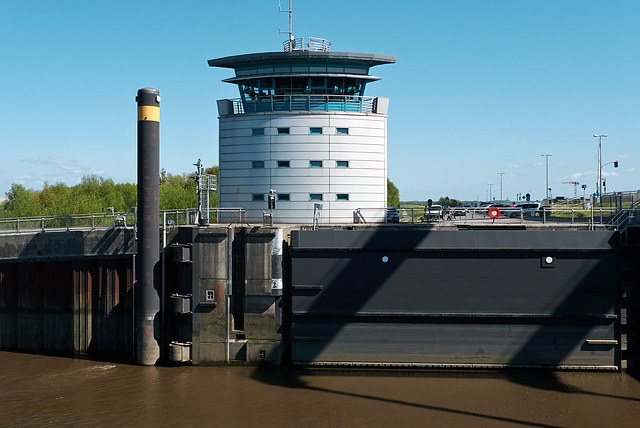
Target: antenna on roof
{"type": "Point", "coordinates": [290, 18]}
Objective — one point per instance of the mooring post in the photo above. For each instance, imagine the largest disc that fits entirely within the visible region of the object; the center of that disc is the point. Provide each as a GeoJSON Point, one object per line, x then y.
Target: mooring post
{"type": "Point", "coordinates": [147, 296]}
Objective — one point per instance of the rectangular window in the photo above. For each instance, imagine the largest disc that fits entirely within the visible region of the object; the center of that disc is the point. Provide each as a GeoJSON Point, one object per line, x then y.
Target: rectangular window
{"type": "Point", "coordinates": [315, 196]}
{"type": "Point", "coordinates": [257, 131]}
{"type": "Point", "coordinates": [258, 197]}
{"type": "Point", "coordinates": [342, 197]}
{"type": "Point", "coordinates": [283, 131]}
{"type": "Point", "coordinates": [283, 164]}
{"type": "Point", "coordinates": [257, 164]}
{"type": "Point", "coordinates": [315, 130]}
{"type": "Point", "coordinates": [342, 131]}
{"type": "Point", "coordinates": [283, 196]}
{"type": "Point", "coordinates": [315, 164]}
{"type": "Point", "coordinates": [342, 164]}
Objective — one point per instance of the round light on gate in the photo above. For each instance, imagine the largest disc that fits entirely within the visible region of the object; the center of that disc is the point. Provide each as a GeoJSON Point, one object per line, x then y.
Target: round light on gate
{"type": "Point", "coordinates": [549, 259]}
{"type": "Point", "coordinates": [385, 259]}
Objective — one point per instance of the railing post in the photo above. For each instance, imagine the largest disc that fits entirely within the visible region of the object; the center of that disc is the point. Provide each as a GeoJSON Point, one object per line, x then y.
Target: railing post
{"type": "Point", "coordinates": [18, 225]}
{"type": "Point", "coordinates": [68, 222]}
{"type": "Point", "coordinates": [42, 223]}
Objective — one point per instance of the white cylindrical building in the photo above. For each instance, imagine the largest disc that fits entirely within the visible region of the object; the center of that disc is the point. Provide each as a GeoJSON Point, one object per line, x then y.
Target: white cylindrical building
{"type": "Point", "coordinates": [304, 129]}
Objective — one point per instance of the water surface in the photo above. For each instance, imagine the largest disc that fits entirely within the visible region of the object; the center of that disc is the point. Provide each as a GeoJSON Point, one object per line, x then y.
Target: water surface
{"type": "Point", "coordinates": [40, 390]}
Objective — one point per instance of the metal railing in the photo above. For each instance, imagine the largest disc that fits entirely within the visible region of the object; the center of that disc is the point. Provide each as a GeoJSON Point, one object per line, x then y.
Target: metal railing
{"type": "Point", "coordinates": [314, 44]}
{"type": "Point", "coordinates": [593, 217]}
{"type": "Point", "coordinates": [625, 217]}
{"type": "Point", "coordinates": [305, 102]}
{"type": "Point", "coordinates": [168, 218]}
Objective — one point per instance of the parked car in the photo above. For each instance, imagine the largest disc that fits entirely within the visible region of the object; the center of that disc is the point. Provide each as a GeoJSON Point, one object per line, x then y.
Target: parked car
{"type": "Point", "coordinates": [528, 209]}
{"type": "Point", "coordinates": [434, 212]}
{"type": "Point", "coordinates": [392, 215]}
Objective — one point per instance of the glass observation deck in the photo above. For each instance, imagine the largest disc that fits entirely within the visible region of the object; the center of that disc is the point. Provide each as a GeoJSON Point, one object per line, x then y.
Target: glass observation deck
{"type": "Point", "coordinates": [305, 77]}
{"type": "Point", "coordinates": [319, 103]}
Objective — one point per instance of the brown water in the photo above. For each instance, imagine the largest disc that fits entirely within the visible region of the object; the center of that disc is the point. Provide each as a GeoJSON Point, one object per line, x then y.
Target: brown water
{"type": "Point", "coordinates": [50, 391]}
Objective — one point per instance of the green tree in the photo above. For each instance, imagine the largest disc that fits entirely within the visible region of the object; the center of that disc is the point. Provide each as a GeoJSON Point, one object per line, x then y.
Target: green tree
{"type": "Point", "coordinates": [178, 192]}
{"type": "Point", "coordinates": [21, 202]}
{"type": "Point", "coordinates": [445, 200]}
{"type": "Point", "coordinates": [393, 194]}
{"type": "Point", "coordinates": [94, 194]}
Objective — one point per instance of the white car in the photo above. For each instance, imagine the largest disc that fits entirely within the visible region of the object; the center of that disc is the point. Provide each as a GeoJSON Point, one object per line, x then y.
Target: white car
{"type": "Point", "coordinates": [528, 209]}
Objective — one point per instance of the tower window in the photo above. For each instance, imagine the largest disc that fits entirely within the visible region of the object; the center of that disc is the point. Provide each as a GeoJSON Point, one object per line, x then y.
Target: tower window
{"type": "Point", "coordinates": [257, 131]}
{"type": "Point", "coordinates": [283, 196]}
{"type": "Point", "coordinates": [342, 197]}
{"type": "Point", "coordinates": [315, 164]}
{"type": "Point", "coordinates": [257, 164]}
{"type": "Point", "coordinates": [258, 197]}
{"type": "Point", "coordinates": [342, 131]}
{"type": "Point", "coordinates": [283, 131]}
{"type": "Point", "coordinates": [342, 164]}
{"type": "Point", "coordinates": [283, 164]}
{"type": "Point", "coordinates": [315, 196]}
{"type": "Point", "coordinates": [315, 130]}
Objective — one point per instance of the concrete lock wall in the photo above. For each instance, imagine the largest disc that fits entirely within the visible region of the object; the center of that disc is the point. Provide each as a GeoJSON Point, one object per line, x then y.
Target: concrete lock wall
{"type": "Point", "coordinates": [374, 296]}
{"type": "Point", "coordinates": [227, 275]}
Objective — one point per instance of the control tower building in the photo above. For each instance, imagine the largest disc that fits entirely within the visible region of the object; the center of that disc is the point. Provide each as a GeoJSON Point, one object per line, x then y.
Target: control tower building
{"type": "Point", "coordinates": [304, 132]}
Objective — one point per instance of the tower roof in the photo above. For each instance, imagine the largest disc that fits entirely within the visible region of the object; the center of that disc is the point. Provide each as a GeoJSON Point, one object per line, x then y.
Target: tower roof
{"type": "Point", "coordinates": [343, 58]}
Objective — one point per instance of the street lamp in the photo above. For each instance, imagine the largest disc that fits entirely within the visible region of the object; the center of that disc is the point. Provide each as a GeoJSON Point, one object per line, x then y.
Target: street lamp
{"type": "Point", "coordinates": [490, 184]}
{"type": "Point", "coordinates": [547, 172]}
{"type": "Point", "coordinates": [599, 185]}
{"type": "Point", "coordinates": [501, 174]}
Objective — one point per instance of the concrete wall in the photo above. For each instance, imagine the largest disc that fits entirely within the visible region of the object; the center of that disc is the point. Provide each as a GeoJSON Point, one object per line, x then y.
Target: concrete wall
{"type": "Point", "coordinates": [227, 273]}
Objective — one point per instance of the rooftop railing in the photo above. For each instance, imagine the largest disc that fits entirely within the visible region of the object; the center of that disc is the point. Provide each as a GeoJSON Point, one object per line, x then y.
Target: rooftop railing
{"type": "Point", "coordinates": [314, 44]}
{"type": "Point", "coordinates": [302, 102]}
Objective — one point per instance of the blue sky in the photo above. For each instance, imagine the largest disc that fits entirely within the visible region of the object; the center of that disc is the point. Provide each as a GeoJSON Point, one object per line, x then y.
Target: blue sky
{"type": "Point", "coordinates": [479, 87]}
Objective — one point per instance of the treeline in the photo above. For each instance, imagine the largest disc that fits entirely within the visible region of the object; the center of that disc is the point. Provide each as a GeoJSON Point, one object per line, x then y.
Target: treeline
{"type": "Point", "coordinates": [95, 194]}
{"type": "Point", "coordinates": [444, 200]}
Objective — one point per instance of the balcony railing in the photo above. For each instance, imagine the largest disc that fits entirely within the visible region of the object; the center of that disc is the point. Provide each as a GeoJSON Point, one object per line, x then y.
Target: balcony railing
{"type": "Point", "coordinates": [320, 103]}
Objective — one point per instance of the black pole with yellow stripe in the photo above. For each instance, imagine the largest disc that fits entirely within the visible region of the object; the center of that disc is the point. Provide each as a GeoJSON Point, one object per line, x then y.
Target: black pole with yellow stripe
{"type": "Point", "coordinates": [148, 261]}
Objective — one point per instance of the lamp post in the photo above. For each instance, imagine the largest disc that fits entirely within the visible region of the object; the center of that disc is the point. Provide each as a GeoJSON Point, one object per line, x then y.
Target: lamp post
{"type": "Point", "coordinates": [615, 165]}
{"type": "Point", "coordinates": [490, 184]}
{"type": "Point", "coordinates": [599, 185]}
{"type": "Point", "coordinates": [501, 174]}
{"type": "Point", "coordinates": [547, 173]}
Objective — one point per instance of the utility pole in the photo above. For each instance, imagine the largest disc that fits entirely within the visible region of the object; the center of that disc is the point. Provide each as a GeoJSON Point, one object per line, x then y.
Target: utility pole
{"type": "Point", "coordinates": [501, 174]}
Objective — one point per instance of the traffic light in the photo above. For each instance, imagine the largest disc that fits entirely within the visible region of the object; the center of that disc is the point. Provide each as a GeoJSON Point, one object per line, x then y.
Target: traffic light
{"type": "Point", "coordinates": [615, 164]}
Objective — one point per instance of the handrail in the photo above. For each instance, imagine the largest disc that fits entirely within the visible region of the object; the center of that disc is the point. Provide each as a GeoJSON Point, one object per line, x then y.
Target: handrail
{"type": "Point", "coordinates": [547, 216]}
{"type": "Point", "coordinates": [177, 217]}
{"type": "Point", "coordinates": [624, 216]}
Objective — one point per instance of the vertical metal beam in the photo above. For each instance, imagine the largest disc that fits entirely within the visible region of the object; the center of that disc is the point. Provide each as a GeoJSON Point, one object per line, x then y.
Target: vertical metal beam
{"type": "Point", "coordinates": [148, 299]}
